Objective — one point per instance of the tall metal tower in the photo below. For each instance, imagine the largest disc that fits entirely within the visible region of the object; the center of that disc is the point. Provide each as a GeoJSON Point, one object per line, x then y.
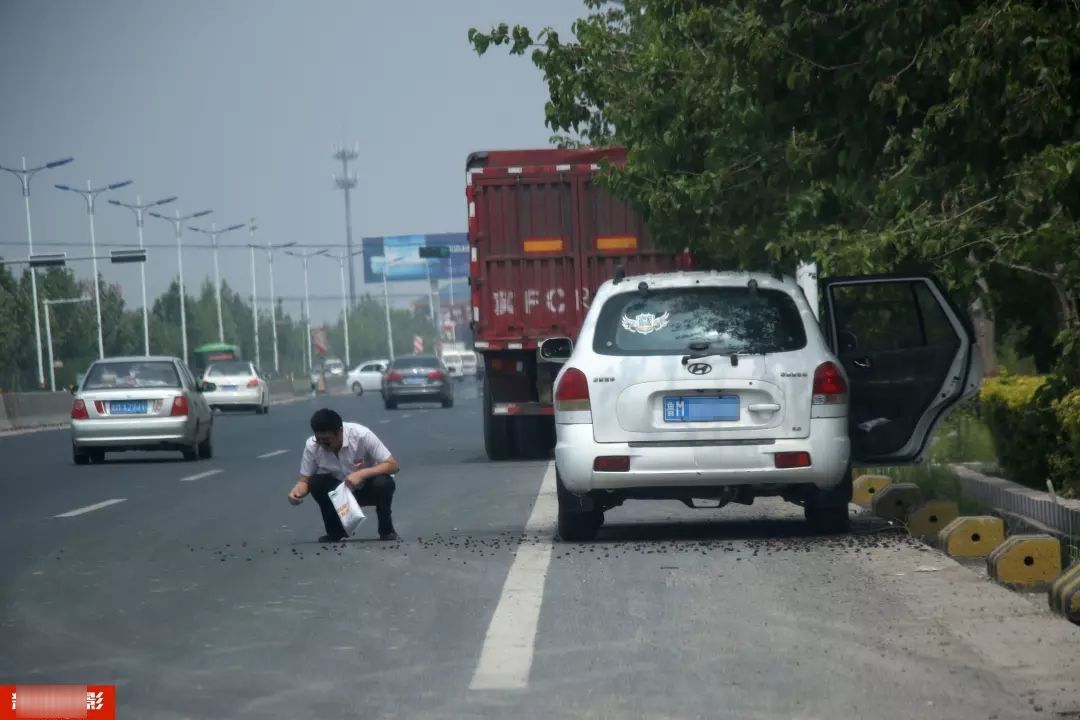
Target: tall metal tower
{"type": "Point", "coordinates": [347, 182]}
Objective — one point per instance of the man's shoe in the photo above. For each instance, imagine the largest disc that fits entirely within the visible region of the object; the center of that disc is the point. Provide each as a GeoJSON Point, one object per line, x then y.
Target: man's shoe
{"type": "Point", "coordinates": [332, 538]}
{"type": "Point", "coordinates": [390, 537]}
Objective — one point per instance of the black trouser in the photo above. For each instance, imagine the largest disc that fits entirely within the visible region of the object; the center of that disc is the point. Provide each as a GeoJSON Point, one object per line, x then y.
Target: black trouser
{"type": "Point", "coordinates": [377, 491]}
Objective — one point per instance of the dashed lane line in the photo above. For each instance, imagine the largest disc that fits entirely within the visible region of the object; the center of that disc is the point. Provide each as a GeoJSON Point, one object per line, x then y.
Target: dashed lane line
{"type": "Point", "coordinates": [200, 476]}
{"type": "Point", "coordinates": [507, 657]}
{"type": "Point", "coordinates": [271, 454]}
{"type": "Point", "coordinates": [91, 508]}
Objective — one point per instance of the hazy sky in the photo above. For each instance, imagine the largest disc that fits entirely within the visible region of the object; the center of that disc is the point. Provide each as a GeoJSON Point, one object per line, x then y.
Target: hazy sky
{"type": "Point", "coordinates": [234, 105]}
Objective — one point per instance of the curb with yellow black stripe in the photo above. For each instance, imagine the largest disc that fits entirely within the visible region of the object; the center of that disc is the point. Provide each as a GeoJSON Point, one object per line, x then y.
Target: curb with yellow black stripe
{"type": "Point", "coordinates": [1065, 595]}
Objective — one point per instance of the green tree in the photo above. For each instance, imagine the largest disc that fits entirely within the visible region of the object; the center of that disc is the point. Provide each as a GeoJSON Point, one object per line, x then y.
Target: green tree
{"type": "Point", "coordinates": [867, 136]}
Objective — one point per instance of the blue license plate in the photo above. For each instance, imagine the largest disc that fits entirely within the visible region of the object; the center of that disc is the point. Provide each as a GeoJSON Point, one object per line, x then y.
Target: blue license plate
{"type": "Point", "coordinates": [697, 408]}
{"type": "Point", "coordinates": [229, 387]}
{"type": "Point", "coordinates": [415, 380]}
{"type": "Point", "coordinates": [127, 407]}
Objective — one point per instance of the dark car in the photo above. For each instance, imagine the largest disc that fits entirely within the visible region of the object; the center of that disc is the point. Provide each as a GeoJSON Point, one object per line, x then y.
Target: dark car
{"type": "Point", "coordinates": [417, 378]}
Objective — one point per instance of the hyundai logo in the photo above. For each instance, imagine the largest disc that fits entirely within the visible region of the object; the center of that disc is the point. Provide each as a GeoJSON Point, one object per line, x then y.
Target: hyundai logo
{"type": "Point", "coordinates": [699, 368]}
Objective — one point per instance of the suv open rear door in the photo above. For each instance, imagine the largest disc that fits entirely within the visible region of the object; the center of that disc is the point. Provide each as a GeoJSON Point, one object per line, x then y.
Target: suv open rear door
{"type": "Point", "coordinates": [910, 356]}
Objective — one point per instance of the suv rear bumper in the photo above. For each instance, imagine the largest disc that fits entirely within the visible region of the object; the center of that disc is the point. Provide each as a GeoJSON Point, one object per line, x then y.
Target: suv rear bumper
{"type": "Point", "coordinates": [675, 466]}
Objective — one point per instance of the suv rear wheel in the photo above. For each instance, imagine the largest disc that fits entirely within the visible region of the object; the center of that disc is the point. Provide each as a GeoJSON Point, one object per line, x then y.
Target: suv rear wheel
{"type": "Point", "coordinates": [576, 522]}
{"type": "Point", "coordinates": [79, 457]}
{"type": "Point", "coordinates": [827, 511]}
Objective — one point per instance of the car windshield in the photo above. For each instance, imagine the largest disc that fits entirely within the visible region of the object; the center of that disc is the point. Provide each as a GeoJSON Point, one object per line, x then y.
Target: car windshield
{"type": "Point", "coordinates": [233, 367]}
{"type": "Point", "coordinates": [717, 319]}
{"type": "Point", "coordinates": [422, 361]}
{"type": "Point", "coordinates": [134, 374]}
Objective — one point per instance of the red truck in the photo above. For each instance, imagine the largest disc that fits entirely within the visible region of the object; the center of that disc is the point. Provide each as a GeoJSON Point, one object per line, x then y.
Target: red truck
{"type": "Point", "coordinates": [543, 238]}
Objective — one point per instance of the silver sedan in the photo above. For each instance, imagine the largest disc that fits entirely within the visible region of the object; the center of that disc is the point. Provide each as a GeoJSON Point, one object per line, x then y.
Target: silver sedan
{"type": "Point", "coordinates": [417, 378]}
{"type": "Point", "coordinates": [140, 403]}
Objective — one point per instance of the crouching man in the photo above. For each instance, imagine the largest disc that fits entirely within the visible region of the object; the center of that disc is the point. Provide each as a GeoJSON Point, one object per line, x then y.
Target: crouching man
{"type": "Point", "coordinates": [346, 452]}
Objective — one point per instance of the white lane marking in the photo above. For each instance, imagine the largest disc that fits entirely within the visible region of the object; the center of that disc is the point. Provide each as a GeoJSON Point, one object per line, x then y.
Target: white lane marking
{"type": "Point", "coordinates": [200, 476]}
{"type": "Point", "coordinates": [384, 422]}
{"type": "Point", "coordinates": [507, 657]}
{"type": "Point", "coordinates": [271, 454]}
{"type": "Point", "coordinates": [91, 508]}
{"type": "Point", "coordinates": [406, 416]}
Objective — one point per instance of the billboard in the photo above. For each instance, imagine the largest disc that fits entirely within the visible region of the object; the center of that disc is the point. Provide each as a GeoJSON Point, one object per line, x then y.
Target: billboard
{"type": "Point", "coordinates": [400, 255]}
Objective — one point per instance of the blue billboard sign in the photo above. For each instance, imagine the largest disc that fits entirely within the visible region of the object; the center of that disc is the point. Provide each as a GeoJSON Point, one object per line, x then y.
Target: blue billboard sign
{"type": "Point", "coordinates": [399, 257]}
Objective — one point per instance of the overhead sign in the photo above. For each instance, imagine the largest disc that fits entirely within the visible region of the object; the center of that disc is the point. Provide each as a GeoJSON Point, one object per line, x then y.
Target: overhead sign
{"type": "Point", "coordinates": [400, 256]}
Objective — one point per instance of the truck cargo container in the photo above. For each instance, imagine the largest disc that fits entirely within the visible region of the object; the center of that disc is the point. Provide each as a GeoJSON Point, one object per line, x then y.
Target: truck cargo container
{"type": "Point", "coordinates": [543, 236]}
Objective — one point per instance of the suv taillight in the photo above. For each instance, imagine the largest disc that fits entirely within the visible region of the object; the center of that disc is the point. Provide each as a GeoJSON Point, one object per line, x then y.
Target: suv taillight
{"type": "Point", "coordinates": [830, 387]}
{"type": "Point", "coordinates": [179, 406]}
{"type": "Point", "coordinates": [78, 410]}
{"type": "Point", "coordinates": [572, 394]}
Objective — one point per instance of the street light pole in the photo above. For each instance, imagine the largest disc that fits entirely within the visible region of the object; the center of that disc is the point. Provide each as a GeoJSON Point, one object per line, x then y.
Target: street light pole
{"type": "Point", "coordinates": [386, 305]}
{"type": "Point", "coordinates": [307, 301]}
{"type": "Point", "coordinates": [177, 222]}
{"type": "Point", "coordinates": [213, 233]}
{"type": "Point", "coordinates": [90, 195]}
{"type": "Point", "coordinates": [24, 174]}
{"type": "Point", "coordinates": [138, 208]}
{"type": "Point", "coordinates": [273, 300]}
{"type": "Point", "coordinates": [342, 259]}
{"type": "Point", "coordinates": [48, 333]}
{"type": "Point", "coordinates": [453, 323]}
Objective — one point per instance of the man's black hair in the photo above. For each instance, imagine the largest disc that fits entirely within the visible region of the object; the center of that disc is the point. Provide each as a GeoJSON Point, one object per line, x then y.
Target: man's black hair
{"type": "Point", "coordinates": [325, 420]}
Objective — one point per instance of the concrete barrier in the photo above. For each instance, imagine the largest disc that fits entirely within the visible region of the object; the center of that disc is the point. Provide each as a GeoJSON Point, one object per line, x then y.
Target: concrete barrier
{"type": "Point", "coordinates": [1035, 508]}
{"type": "Point", "coordinates": [972, 537]}
{"type": "Point", "coordinates": [897, 501]}
{"type": "Point", "coordinates": [1026, 562]}
{"type": "Point", "coordinates": [1065, 595]}
{"type": "Point", "coordinates": [866, 487]}
{"type": "Point", "coordinates": [281, 388]}
{"type": "Point", "coordinates": [927, 520]}
{"type": "Point", "coordinates": [35, 409]}
{"type": "Point", "coordinates": [5, 423]}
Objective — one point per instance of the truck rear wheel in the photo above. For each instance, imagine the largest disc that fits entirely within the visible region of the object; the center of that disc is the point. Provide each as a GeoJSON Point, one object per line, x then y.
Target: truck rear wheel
{"type": "Point", "coordinates": [496, 431]}
{"type": "Point", "coordinates": [535, 436]}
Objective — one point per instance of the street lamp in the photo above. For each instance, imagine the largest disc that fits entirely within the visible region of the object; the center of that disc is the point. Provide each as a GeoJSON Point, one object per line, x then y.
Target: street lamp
{"type": "Point", "coordinates": [213, 233]}
{"type": "Point", "coordinates": [342, 259]}
{"type": "Point", "coordinates": [24, 176]}
{"type": "Point", "coordinates": [307, 301]}
{"type": "Point", "coordinates": [90, 195]}
{"type": "Point", "coordinates": [48, 332]}
{"type": "Point", "coordinates": [177, 222]}
{"type": "Point", "coordinates": [273, 300]}
{"type": "Point", "coordinates": [138, 208]}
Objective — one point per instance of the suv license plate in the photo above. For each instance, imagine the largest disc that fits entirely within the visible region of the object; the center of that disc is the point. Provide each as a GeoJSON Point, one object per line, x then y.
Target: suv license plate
{"type": "Point", "coordinates": [698, 408]}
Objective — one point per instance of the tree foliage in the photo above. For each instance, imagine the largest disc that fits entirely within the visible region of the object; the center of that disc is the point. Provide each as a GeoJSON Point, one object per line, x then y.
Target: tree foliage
{"type": "Point", "coordinates": [869, 136]}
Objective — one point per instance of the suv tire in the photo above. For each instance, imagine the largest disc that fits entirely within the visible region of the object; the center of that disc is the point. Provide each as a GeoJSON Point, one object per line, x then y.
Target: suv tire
{"type": "Point", "coordinates": [576, 523]}
{"type": "Point", "coordinates": [827, 511]}
{"type": "Point", "coordinates": [79, 457]}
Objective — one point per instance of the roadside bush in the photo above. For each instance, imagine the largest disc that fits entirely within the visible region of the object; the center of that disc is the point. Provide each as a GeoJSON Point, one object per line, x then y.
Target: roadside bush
{"type": "Point", "coordinates": [1023, 426]}
{"type": "Point", "coordinates": [1065, 461]}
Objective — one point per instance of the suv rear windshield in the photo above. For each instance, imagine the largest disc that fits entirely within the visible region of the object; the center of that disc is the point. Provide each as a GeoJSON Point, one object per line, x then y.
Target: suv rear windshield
{"type": "Point", "coordinates": [416, 362]}
{"type": "Point", "coordinates": [729, 319]}
{"type": "Point", "coordinates": [135, 374]}
{"type": "Point", "coordinates": [233, 367]}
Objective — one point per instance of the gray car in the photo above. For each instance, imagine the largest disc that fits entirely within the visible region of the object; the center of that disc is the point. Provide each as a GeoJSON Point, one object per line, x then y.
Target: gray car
{"type": "Point", "coordinates": [140, 403]}
{"type": "Point", "coordinates": [417, 378]}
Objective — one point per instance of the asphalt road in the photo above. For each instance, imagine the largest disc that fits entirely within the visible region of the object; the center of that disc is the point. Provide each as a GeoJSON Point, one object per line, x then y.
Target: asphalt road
{"type": "Point", "coordinates": [203, 594]}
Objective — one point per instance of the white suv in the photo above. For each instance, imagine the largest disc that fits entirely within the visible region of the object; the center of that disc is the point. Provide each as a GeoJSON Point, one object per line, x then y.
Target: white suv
{"type": "Point", "coordinates": [717, 387]}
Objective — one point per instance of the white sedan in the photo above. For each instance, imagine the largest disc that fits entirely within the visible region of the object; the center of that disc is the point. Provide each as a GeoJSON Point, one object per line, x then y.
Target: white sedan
{"type": "Point", "coordinates": [238, 385]}
{"type": "Point", "coordinates": [367, 376]}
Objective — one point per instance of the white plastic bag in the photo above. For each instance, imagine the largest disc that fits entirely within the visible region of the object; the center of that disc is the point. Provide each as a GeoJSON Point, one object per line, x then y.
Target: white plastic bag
{"type": "Point", "coordinates": [347, 508]}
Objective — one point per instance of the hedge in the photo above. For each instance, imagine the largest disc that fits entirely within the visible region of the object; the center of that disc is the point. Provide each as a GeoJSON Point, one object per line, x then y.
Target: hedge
{"type": "Point", "coordinates": [1034, 422]}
